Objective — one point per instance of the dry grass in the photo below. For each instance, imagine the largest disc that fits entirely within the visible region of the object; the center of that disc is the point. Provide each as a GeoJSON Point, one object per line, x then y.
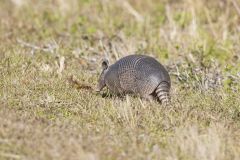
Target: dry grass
{"type": "Point", "coordinates": [50, 53]}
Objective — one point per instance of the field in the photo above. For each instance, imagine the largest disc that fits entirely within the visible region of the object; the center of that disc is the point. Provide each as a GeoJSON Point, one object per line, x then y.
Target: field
{"type": "Point", "coordinates": [50, 60]}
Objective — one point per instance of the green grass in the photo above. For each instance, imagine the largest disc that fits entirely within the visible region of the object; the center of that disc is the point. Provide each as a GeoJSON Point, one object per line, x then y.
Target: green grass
{"type": "Point", "coordinates": [50, 60]}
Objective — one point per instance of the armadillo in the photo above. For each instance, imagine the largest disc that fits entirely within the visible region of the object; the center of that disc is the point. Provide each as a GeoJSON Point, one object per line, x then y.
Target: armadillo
{"type": "Point", "coordinates": [138, 74]}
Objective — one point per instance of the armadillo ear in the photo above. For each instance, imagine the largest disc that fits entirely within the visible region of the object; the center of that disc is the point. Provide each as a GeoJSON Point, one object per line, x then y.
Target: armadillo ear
{"type": "Point", "coordinates": [105, 64]}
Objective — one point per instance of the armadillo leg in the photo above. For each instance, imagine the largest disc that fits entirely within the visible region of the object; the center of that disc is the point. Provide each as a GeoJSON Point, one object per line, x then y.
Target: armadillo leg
{"type": "Point", "coordinates": [147, 97]}
{"type": "Point", "coordinates": [162, 92]}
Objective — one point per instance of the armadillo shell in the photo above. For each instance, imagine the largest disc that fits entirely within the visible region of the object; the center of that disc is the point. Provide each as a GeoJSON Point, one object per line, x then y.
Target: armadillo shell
{"type": "Point", "coordinates": [137, 74]}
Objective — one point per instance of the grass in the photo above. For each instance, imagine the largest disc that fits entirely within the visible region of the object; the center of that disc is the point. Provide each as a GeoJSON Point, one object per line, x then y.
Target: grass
{"type": "Point", "coordinates": [50, 54]}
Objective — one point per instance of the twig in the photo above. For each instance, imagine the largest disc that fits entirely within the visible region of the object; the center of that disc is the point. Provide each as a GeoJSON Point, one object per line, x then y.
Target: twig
{"type": "Point", "coordinates": [23, 43]}
{"type": "Point", "coordinates": [48, 48]}
{"type": "Point", "coordinates": [61, 65]}
{"type": "Point", "coordinates": [235, 4]}
{"type": "Point", "coordinates": [4, 141]}
{"type": "Point", "coordinates": [72, 80]}
{"type": "Point", "coordinates": [132, 11]}
{"type": "Point", "coordinates": [18, 3]}
{"type": "Point", "coordinates": [10, 155]}
{"type": "Point", "coordinates": [210, 22]}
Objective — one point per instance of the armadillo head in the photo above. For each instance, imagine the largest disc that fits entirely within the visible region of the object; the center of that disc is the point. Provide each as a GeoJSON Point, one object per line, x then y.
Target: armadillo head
{"type": "Point", "coordinates": [101, 80]}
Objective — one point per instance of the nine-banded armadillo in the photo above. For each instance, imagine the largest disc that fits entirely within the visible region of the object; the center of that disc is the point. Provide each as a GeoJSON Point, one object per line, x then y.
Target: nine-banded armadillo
{"type": "Point", "coordinates": [137, 74]}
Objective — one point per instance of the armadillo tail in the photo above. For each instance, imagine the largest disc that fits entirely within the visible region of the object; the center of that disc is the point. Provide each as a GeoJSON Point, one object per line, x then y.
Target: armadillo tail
{"type": "Point", "coordinates": [162, 92]}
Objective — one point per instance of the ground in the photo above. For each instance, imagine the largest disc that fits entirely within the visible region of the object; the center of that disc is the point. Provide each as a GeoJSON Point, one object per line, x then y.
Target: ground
{"type": "Point", "coordinates": [50, 60]}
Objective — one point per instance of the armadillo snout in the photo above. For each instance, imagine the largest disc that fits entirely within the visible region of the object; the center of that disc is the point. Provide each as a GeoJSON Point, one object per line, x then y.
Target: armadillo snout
{"type": "Point", "coordinates": [162, 92]}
